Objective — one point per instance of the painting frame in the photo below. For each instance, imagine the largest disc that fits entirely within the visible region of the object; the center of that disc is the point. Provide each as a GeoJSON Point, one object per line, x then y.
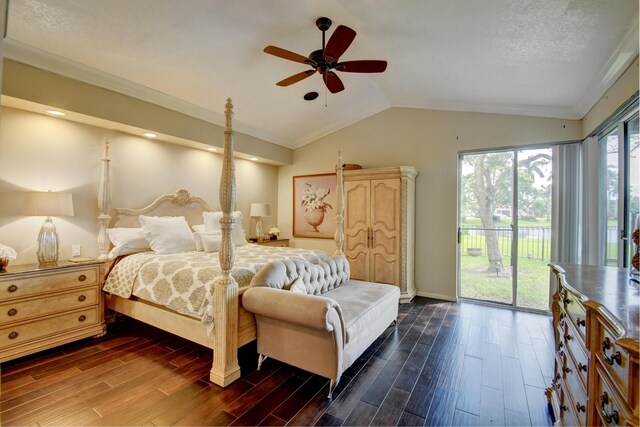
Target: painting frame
{"type": "Point", "coordinates": [306, 219]}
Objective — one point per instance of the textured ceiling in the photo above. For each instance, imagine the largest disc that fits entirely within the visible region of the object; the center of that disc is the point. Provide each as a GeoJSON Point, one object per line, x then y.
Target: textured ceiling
{"type": "Point", "coordinates": [546, 58]}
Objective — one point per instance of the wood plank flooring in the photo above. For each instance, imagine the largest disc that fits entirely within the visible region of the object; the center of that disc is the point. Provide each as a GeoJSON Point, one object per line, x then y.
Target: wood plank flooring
{"type": "Point", "coordinates": [444, 364]}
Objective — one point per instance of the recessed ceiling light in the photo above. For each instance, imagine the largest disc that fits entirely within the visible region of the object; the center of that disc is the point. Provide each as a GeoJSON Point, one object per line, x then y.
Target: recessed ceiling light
{"type": "Point", "coordinates": [56, 113]}
{"type": "Point", "coordinates": [212, 149]}
{"type": "Point", "coordinates": [150, 135]}
{"type": "Point", "coordinates": [253, 158]}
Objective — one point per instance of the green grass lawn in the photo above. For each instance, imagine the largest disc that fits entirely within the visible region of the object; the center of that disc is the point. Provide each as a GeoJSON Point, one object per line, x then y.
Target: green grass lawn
{"type": "Point", "coordinates": [533, 281]}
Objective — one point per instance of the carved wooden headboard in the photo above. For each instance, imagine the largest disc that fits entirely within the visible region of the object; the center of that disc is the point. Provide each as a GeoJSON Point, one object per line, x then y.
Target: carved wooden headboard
{"type": "Point", "coordinates": [180, 203]}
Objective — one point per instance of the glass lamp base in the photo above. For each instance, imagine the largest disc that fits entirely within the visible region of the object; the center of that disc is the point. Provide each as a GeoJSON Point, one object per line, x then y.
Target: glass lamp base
{"type": "Point", "coordinates": [259, 230]}
{"type": "Point", "coordinates": [47, 246]}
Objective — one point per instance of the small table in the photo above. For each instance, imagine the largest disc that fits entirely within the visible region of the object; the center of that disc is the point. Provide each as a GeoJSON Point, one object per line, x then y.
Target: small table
{"type": "Point", "coordinates": [281, 243]}
{"type": "Point", "coordinates": [43, 306]}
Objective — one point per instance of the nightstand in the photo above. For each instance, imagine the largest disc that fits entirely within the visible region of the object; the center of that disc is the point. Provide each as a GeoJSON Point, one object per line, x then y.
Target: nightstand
{"type": "Point", "coordinates": [45, 306]}
{"type": "Point", "coordinates": [281, 243]}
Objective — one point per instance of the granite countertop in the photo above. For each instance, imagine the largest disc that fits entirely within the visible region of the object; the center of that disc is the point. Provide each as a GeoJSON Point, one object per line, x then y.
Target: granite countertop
{"type": "Point", "coordinates": [607, 289]}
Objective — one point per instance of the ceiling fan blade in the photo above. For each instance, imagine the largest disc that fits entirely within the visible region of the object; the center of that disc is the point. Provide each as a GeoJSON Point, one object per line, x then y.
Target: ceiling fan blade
{"type": "Point", "coordinates": [333, 82]}
{"type": "Point", "coordinates": [338, 43]}
{"type": "Point", "coordinates": [364, 66]}
{"type": "Point", "coordinates": [285, 54]}
{"type": "Point", "coordinates": [296, 78]}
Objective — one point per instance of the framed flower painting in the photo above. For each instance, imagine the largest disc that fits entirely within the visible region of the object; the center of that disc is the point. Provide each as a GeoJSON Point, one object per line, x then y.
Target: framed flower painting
{"type": "Point", "coordinates": [314, 206]}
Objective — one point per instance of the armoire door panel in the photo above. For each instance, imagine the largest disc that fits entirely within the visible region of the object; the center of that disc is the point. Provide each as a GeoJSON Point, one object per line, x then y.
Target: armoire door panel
{"type": "Point", "coordinates": [385, 224]}
{"type": "Point", "coordinates": [359, 264]}
{"type": "Point", "coordinates": [385, 269]}
{"type": "Point", "coordinates": [357, 203]}
{"type": "Point", "coordinates": [385, 201]}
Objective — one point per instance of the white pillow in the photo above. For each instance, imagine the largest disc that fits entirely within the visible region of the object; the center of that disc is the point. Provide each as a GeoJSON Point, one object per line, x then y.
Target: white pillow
{"type": "Point", "coordinates": [212, 225]}
{"type": "Point", "coordinates": [126, 241]}
{"type": "Point", "coordinates": [211, 241]}
{"type": "Point", "coordinates": [198, 228]}
{"type": "Point", "coordinates": [167, 234]}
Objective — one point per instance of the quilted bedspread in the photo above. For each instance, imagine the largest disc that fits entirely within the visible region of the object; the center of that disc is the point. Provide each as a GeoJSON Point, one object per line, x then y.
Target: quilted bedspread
{"type": "Point", "coordinates": [183, 282]}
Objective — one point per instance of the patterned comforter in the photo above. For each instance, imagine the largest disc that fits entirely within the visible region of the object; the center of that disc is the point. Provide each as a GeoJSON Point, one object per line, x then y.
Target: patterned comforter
{"type": "Point", "coordinates": [183, 282]}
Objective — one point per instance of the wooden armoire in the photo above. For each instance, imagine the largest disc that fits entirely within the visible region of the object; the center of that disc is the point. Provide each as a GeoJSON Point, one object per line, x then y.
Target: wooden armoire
{"type": "Point", "coordinates": [380, 226]}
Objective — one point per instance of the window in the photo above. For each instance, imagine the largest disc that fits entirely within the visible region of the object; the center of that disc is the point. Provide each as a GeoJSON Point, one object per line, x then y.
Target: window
{"type": "Point", "coordinates": [619, 187]}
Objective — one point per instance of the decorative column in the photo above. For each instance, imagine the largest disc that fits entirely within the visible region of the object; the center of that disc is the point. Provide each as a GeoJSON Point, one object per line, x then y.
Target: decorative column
{"type": "Point", "coordinates": [339, 237]}
{"type": "Point", "coordinates": [104, 203]}
{"type": "Point", "coordinates": [225, 367]}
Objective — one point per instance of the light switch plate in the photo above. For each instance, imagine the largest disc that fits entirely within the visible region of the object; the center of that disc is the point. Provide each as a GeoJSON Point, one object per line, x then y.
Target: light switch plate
{"type": "Point", "coordinates": [75, 250]}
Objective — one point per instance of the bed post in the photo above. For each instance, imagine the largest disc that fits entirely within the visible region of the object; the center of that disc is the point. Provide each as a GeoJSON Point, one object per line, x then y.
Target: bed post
{"type": "Point", "coordinates": [225, 367]}
{"type": "Point", "coordinates": [340, 207]}
{"type": "Point", "coordinates": [104, 203]}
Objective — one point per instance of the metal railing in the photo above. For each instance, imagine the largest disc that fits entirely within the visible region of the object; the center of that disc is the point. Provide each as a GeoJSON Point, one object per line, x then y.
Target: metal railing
{"type": "Point", "coordinates": [533, 242]}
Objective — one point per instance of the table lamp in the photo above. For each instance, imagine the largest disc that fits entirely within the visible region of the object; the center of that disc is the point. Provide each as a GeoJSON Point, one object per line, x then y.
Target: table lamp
{"type": "Point", "coordinates": [260, 210]}
{"type": "Point", "coordinates": [38, 203]}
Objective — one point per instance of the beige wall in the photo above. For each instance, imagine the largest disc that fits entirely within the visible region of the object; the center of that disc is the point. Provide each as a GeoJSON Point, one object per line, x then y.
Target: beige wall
{"type": "Point", "coordinates": [429, 140]}
{"type": "Point", "coordinates": [614, 97]}
{"type": "Point", "coordinates": [40, 153]}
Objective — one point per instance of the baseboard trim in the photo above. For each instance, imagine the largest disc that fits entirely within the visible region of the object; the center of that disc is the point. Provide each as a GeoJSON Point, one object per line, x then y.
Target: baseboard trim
{"type": "Point", "coordinates": [436, 296]}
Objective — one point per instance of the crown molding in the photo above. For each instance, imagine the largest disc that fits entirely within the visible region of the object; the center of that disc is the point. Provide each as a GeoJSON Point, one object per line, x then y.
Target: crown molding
{"type": "Point", "coordinates": [30, 55]}
{"type": "Point", "coordinates": [619, 61]}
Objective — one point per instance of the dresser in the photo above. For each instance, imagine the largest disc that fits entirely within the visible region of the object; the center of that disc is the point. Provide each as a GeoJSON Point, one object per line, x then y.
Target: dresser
{"type": "Point", "coordinates": [596, 315]}
{"type": "Point", "coordinates": [46, 306]}
{"type": "Point", "coordinates": [380, 226]}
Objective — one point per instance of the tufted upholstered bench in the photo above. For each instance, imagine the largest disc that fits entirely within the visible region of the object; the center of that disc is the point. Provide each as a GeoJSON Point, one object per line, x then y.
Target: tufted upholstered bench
{"type": "Point", "coordinates": [314, 317]}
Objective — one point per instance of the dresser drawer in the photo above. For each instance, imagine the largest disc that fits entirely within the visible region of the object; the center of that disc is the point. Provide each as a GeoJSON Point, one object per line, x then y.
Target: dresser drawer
{"type": "Point", "coordinates": [567, 414]}
{"type": "Point", "coordinates": [577, 353]}
{"type": "Point", "coordinates": [576, 312]}
{"type": "Point", "coordinates": [608, 403]}
{"type": "Point", "coordinates": [17, 334]}
{"type": "Point", "coordinates": [614, 358]}
{"type": "Point", "coordinates": [576, 391]}
{"type": "Point", "coordinates": [16, 311]}
{"type": "Point", "coordinates": [54, 281]}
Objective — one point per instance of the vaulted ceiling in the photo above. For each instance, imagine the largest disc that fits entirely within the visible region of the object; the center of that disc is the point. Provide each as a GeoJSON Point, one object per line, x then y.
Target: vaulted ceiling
{"type": "Point", "coordinates": [534, 57]}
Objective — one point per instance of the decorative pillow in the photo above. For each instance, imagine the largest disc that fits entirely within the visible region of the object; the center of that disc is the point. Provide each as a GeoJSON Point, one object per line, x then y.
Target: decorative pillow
{"type": "Point", "coordinates": [167, 234]}
{"type": "Point", "coordinates": [212, 225]}
{"type": "Point", "coordinates": [126, 241]}
{"type": "Point", "coordinates": [211, 241]}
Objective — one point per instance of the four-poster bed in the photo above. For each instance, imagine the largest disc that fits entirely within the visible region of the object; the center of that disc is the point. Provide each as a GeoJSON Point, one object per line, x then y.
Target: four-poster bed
{"type": "Point", "coordinates": [225, 325]}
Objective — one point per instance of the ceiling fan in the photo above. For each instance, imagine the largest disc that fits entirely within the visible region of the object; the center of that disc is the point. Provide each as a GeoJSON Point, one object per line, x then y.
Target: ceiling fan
{"type": "Point", "coordinates": [325, 60]}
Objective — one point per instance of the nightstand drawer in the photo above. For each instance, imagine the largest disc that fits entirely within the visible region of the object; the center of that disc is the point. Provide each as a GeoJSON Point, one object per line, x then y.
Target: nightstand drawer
{"type": "Point", "coordinates": [17, 334]}
{"type": "Point", "coordinates": [54, 281]}
{"type": "Point", "coordinates": [36, 307]}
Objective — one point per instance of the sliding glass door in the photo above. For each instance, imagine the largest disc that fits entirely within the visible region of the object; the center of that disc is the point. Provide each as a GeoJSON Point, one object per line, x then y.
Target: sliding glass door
{"type": "Point", "coordinates": [504, 239]}
{"type": "Point", "coordinates": [619, 189]}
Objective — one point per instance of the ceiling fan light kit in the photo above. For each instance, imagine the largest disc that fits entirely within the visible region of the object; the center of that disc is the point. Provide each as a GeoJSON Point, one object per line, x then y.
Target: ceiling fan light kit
{"type": "Point", "coordinates": [325, 60]}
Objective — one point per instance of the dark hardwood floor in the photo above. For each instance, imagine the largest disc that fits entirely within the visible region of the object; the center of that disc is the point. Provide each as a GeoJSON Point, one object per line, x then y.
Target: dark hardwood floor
{"type": "Point", "coordinates": [444, 364]}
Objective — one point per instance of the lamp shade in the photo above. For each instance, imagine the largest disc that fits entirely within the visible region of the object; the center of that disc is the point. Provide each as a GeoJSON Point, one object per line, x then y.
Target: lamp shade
{"type": "Point", "coordinates": [260, 209]}
{"type": "Point", "coordinates": [40, 203]}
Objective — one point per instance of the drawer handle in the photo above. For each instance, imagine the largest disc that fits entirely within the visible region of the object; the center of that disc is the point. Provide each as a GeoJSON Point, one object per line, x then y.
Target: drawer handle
{"type": "Point", "coordinates": [82, 278]}
{"type": "Point", "coordinates": [563, 408]}
{"type": "Point", "coordinates": [560, 353]}
{"type": "Point", "coordinates": [568, 337]}
{"type": "Point", "coordinates": [566, 370]}
{"type": "Point", "coordinates": [562, 316]}
{"type": "Point", "coordinates": [581, 322]}
{"type": "Point", "coordinates": [613, 416]}
{"type": "Point", "coordinates": [616, 357]}
{"type": "Point", "coordinates": [82, 318]}
{"type": "Point", "coordinates": [562, 323]}
{"type": "Point", "coordinates": [82, 298]}
{"type": "Point", "coordinates": [13, 335]}
{"type": "Point", "coordinates": [580, 408]}
{"type": "Point", "coordinates": [561, 344]}
{"type": "Point", "coordinates": [12, 312]}
{"type": "Point", "coordinates": [567, 301]}
{"type": "Point", "coordinates": [13, 288]}
{"type": "Point", "coordinates": [582, 367]}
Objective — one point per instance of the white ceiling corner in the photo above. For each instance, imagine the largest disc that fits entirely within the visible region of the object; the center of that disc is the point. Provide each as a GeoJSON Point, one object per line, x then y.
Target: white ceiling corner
{"type": "Point", "coordinates": [551, 58]}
